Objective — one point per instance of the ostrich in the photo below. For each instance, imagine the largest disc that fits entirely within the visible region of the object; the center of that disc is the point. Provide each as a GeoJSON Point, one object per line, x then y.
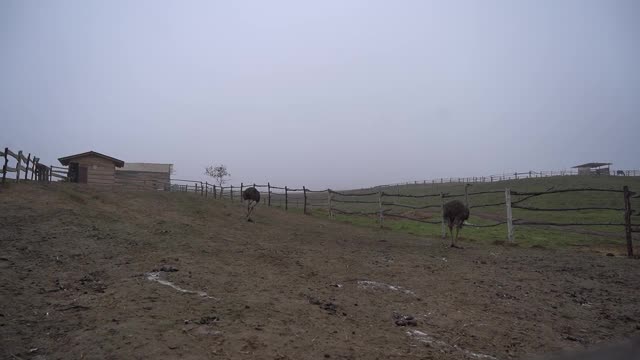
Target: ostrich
{"type": "Point", "coordinates": [455, 213]}
{"type": "Point", "coordinates": [253, 196]}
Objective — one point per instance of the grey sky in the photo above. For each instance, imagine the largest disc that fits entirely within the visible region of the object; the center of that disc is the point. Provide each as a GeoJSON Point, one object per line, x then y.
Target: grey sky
{"type": "Point", "coordinates": [325, 93]}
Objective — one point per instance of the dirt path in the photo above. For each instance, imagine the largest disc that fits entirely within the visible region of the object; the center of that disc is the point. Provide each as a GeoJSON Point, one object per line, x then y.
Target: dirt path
{"type": "Point", "coordinates": [91, 275]}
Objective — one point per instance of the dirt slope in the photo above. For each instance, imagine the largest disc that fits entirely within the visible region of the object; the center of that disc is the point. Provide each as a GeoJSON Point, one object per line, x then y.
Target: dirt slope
{"type": "Point", "coordinates": [75, 272]}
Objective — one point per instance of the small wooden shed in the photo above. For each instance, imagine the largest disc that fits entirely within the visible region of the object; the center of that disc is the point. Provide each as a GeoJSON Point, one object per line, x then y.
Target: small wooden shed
{"type": "Point", "coordinates": [91, 168]}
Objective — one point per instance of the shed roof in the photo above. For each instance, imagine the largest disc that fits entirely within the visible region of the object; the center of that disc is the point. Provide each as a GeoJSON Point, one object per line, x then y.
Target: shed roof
{"type": "Point", "coordinates": [591, 165]}
{"type": "Point", "coordinates": [67, 159]}
{"type": "Point", "coordinates": [147, 167]}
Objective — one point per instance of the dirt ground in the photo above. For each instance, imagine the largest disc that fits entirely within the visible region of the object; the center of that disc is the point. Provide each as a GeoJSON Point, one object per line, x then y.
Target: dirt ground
{"type": "Point", "coordinates": [92, 275]}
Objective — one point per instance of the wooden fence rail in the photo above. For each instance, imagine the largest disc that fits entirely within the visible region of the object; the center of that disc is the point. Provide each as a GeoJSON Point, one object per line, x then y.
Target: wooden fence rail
{"type": "Point", "coordinates": [27, 168]}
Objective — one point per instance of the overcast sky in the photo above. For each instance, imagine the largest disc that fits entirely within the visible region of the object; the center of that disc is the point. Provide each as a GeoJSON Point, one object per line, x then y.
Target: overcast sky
{"type": "Point", "coordinates": [325, 93]}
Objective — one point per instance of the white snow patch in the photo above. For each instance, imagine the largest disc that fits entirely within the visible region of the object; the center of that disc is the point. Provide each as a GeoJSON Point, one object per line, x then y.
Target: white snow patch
{"type": "Point", "coordinates": [367, 284]}
{"type": "Point", "coordinates": [155, 276]}
{"type": "Point", "coordinates": [425, 338]}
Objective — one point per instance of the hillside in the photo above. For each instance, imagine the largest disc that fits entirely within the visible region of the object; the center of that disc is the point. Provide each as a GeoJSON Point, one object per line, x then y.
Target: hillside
{"type": "Point", "coordinates": [101, 275]}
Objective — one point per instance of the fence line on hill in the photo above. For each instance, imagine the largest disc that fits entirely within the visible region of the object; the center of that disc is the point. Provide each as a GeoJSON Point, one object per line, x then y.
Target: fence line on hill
{"type": "Point", "coordinates": [28, 168]}
{"type": "Point", "coordinates": [505, 177]}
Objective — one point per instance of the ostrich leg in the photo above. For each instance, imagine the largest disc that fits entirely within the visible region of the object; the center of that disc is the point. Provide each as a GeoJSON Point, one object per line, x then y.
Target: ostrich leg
{"type": "Point", "coordinates": [250, 209]}
{"type": "Point", "coordinates": [253, 205]}
{"type": "Point", "coordinates": [451, 233]}
{"type": "Point", "coordinates": [454, 242]}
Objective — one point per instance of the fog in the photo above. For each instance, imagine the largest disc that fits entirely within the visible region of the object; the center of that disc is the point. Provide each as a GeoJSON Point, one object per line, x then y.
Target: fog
{"type": "Point", "coordinates": [328, 93]}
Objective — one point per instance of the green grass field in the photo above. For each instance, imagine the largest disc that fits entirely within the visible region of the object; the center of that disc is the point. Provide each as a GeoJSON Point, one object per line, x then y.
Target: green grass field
{"type": "Point", "coordinates": [525, 235]}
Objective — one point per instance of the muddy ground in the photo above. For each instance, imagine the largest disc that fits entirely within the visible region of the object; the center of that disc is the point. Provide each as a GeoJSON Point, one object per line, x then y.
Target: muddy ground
{"type": "Point", "coordinates": [92, 275]}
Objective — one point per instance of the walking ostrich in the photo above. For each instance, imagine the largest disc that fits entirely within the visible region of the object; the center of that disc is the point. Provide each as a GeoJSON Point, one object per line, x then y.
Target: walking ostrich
{"type": "Point", "coordinates": [455, 213]}
{"type": "Point", "coordinates": [252, 195]}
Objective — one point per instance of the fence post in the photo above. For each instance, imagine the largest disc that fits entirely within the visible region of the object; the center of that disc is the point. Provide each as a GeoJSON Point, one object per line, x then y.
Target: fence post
{"type": "Point", "coordinates": [268, 194]}
{"type": "Point", "coordinates": [201, 189]}
{"type": "Point", "coordinates": [18, 166]}
{"type": "Point", "coordinates": [4, 167]}
{"type": "Point", "coordinates": [507, 201]}
{"type": "Point", "coordinates": [304, 191]}
{"type": "Point", "coordinates": [50, 173]}
{"type": "Point", "coordinates": [231, 189]}
{"type": "Point", "coordinates": [35, 165]}
{"type": "Point", "coordinates": [329, 203]}
{"type": "Point", "coordinates": [466, 194]}
{"type": "Point", "coordinates": [215, 192]}
{"type": "Point", "coordinates": [286, 198]}
{"type": "Point", "coordinates": [381, 215]}
{"type": "Point", "coordinates": [444, 227]}
{"type": "Point", "coordinates": [26, 167]}
{"type": "Point", "coordinates": [241, 191]}
{"type": "Point", "coordinates": [627, 220]}
{"type": "Point", "coordinates": [221, 192]}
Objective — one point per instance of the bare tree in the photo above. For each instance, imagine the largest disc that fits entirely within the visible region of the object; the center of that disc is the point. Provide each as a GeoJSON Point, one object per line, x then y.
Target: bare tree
{"type": "Point", "coordinates": [218, 173]}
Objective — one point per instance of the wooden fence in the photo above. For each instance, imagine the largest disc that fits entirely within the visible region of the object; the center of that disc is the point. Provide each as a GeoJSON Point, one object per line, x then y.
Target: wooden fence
{"type": "Point", "coordinates": [387, 205]}
{"type": "Point", "coordinates": [28, 168]}
{"type": "Point", "coordinates": [276, 196]}
{"type": "Point", "coordinates": [381, 205]}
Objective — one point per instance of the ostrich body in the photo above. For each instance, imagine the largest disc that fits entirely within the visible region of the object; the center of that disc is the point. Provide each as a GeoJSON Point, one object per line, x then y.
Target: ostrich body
{"type": "Point", "coordinates": [252, 195]}
{"type": "Point", "coordinates": [455, 213]}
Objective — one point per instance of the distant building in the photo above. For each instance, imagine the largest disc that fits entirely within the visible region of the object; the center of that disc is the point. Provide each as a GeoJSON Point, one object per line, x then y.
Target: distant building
{"type": "Point", "coordinates": [593, 168]}
{"type": "Point", "coordinates": [98, 169]}
{"type": "Point", "coordinates": [147, 175]}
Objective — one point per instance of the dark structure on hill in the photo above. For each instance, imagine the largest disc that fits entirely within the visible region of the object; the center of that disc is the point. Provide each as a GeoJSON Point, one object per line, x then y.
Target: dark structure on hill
{"type": "Point", "coordinates": [593, 168]}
